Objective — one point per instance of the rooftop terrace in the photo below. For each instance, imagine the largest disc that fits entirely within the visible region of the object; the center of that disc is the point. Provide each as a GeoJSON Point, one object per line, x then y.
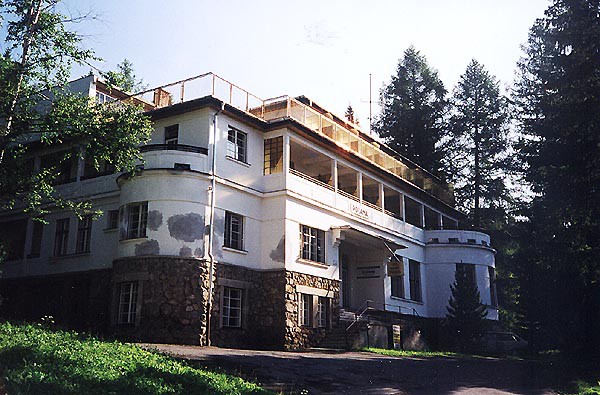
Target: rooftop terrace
{"type": "Point", "coordinates": [301, 109]}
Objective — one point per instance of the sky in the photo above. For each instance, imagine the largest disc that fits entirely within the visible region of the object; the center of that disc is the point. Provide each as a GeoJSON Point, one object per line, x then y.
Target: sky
{"type": "Point", "coordinates": [324, 49]}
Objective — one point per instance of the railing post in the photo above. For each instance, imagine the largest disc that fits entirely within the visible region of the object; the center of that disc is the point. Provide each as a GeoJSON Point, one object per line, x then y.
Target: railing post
{"type": "Point", "coordinates": [289, 109]}
{"type": "Point", "coordinates": [247, 100]}
{"type": "Point", "coordinates": [182, 91]}
{"type": "Point", "coordinates": [213, 85]}
{"type": "Point", "coordinates": [230, 94]}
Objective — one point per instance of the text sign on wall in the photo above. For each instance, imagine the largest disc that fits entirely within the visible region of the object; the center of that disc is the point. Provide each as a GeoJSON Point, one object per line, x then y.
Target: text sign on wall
{"type": "Point", "coordinates": [396, 337]}
{"type": "Point", "coordinates": [368, 272]}
{"type": "Point", "coordinates": [358, 210]}
{"type": "Point", "coordinates": [395, 267]}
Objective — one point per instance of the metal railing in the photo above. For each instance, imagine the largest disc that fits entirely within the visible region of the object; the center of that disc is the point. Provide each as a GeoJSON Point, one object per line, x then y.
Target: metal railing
{"type": "Point", "coordinates": [342, 133]}
{"type": "Point", "coordinates": [368, 305]}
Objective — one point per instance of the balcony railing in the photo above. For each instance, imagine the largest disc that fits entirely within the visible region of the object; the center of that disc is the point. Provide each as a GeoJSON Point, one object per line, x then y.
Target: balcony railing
{"type": "Point", "coordinates": [174, 147]}
{"type": "Point", "coordinates": [342, 133]}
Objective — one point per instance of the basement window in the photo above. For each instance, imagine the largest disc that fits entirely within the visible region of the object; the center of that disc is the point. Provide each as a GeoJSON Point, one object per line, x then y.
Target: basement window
{"type": "Point", "coordinates": [232, 307]}
{"type": "Point", "coordinates": [128, 295]}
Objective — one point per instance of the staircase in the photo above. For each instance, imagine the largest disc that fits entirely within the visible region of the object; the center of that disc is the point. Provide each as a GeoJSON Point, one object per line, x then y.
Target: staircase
{"type": "Point", "coordinates": [340, 338]}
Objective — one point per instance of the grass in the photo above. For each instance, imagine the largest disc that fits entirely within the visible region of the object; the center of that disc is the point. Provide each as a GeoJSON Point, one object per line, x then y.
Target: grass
{"type": "Point", "coordinates": [38, 360]}
{"type": "Point", "coordinates": [416, 354]}
{"type": "Point", "coordinates": [585, 388]}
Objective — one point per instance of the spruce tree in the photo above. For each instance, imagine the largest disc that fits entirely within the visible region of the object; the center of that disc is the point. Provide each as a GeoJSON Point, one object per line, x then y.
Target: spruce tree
{"type": "Point", "coordinates": [350, 116]}
{"type": "Point", "coordinates": [477, 144]}
{"type": "Point", "coordinates": [124, 78]}
{"type": "Point", "coordinates": [558, 97]}
{"type": "Point", "coordinates": [466, 314]}
{"type": "Point", "coordinates": [413, 107]}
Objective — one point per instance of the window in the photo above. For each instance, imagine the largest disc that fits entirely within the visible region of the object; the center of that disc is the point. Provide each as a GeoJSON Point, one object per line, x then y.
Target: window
{"type": "Point", "coordinates": [467, 270]}
{"type": "Point", "coordinates": [62, 164]}
{"type": "Point", "coordinates": [172, 135]}
{"type": "Point", "coordinates": [414, 276]}
{"type": "Point", "coordinates": [322, 307]}
{"type": "Point", "coordinates": [137, 214]}
{"type": "Point", "coordinates": [273, 155]}
{"type": "Point", "coordinates": [36, 239]}
{"type": "Point", "coordinates": [12, 238]}
{"type": "Point", "coordinates": [305, 313]}
{"type": "Point", "coordinates": [234, 231]}
{"type": "Point", "coordinates": [102, 98]}
{"type": "Point", "coordinates": [61, 239]}
{"type": "Point", "coordinates": [313, 242]}
{"type": "Point", "coordinates": [113, 219]}
{"type": "Point", "coordinates": [398, 286]}
{"type": "Point", "coordinates": [236, 145]}
{"type": "Point", "coordinates": [90, 171]}
{"type": "Point", "coordinates": [84, 234]}
{"type": "Point", "coordinates": [412, 210]}
{"type": "Point", "coordinates": [232, 307]}
{"type": "Point", "coordinates": [493, 294]}
{"type": "Point", "coordinates": [128, 294]}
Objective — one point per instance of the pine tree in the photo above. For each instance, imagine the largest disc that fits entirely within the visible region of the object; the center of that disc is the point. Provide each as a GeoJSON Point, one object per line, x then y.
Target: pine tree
{"type": "Point", "coordinates": [413, 107]}
{"type": "Point", "coordinates": [350, 117]}
{"type": "Point", "coordinates": [558, 94]}
{"type": "Point", "coordinates": [466, 314]}
{"type": "Point", "coordinates": [477, 144]}
{"type": "Point", "coordinates": [124, 78]}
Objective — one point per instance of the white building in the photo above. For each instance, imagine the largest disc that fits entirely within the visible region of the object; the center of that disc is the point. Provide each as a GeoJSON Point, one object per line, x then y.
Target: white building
{"type": "Point", "coordinates": [295, 211]}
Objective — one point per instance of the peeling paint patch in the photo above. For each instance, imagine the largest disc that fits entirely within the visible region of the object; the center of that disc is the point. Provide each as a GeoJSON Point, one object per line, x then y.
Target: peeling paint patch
{"type": "Point", "coordinates": [219, 224]}
{"type": "Point", "coordinates": [148, 247]}
{"type": "Point", "coordinates": [155, 219]}
{"type": "Point", "coordinates": [185, 251]}
{"type": "Point", "coordinates": [199, 252]}
{"type": "Point", "coordinates": [278, 254]}
{"type": "Point", "coordinates": [186, 227]}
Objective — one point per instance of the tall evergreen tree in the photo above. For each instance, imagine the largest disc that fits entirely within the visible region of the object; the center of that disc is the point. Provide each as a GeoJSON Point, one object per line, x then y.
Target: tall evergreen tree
{"type": "Point", "coordinates": [477, 144]}
{"type": "Point", "coordinates": [466, 314]}
{"type": "Point", "coordinates": [350, 115]}
{"type": "Point", "coordinates": [558, 93]}
{"type": "Point", "coordinates": [125, 78]}
{"type": "Point", "coordinates": [413, 107]}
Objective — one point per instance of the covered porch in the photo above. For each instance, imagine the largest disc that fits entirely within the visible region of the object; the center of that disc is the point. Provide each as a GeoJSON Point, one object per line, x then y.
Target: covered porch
{"type": "Point", "coordinates": [363, 257]}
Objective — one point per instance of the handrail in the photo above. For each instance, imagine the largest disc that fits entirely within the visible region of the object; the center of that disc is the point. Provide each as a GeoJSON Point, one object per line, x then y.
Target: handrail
{"type": "Point", "coordinates": [360, 312]}
{"type": "Point", "coordinates": [174, 147]}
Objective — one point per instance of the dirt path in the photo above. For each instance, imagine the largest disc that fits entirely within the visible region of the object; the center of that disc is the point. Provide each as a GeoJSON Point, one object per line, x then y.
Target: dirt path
{"type": "Point", "coordinates": [323, 372]}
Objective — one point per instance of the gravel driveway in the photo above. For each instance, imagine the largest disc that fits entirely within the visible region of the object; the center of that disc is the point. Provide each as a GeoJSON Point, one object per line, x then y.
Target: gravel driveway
{"type": "Point", "coordinates": [330, 372]}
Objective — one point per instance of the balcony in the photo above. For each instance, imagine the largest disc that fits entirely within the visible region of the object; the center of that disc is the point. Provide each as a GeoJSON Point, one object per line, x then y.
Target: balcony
{"type": "Point", "coordinates": [342, 133]}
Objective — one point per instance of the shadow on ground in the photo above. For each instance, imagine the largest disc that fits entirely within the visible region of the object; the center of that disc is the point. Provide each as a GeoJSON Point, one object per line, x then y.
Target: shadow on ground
{"type": "Point", "coordinates": [318, 372]}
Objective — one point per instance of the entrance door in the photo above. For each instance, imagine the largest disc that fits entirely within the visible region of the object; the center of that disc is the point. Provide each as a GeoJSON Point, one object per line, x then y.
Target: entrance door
{"type": "Point", "coordinates": [345, 282]}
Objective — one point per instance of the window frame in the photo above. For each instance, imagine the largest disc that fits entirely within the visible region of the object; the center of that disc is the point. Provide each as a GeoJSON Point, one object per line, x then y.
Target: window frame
{"type": "Point", "coordinates": [141, 229]}
{"type": "Point", "coordinates": [237, 145]}
{"type": "Point", "coordinates": [84, 234]}
{"type": "Point", "coordinates": [61, 237]}
{"type": "Point", "coordinates": [397, 285]}
{"type": "Point", "coordinates": [37, 235]}
{"type": "Point", "coordinates": [273, 155]}
{"type": "Point", "coordinates": [322, 316]}
{"type": "Point", "coordinates": [228, 240]}
{"type": "Point", "coordinates": [312, 244]}
{"type": "Point", "coordinates": [131, 312]}
{"type": "Point", "coordinates": [112, 219]}
{"type": "Point", "coordinates": [305, 308]}
{"type": "Point", "coordinates": [493, 290]}
{"type": "Point", "coordinates": [173, 139]}
{"type": "Point", "coordinates": [226, 307]}
{"type": "Point", "coordinates": [414, 277]}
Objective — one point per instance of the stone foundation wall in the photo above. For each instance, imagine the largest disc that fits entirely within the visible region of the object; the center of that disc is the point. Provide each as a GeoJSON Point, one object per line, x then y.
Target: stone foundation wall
{"type": "Point", "coordinates": [172, 299]}
{"type": "Point", "coordinates": [296, 336]}
{"type": "Point", "coordinates": [263, 323]}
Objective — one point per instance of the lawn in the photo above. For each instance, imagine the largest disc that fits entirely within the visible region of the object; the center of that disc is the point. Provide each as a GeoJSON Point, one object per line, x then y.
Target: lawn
{"type": "Point", "coordinates": [38, 360]}
{"type": "Point", "coordinates": [414, 354]}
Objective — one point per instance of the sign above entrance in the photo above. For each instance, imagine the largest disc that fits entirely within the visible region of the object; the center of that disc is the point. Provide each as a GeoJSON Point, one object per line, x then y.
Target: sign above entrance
{"type": "Point", "coordinates": [368, 272]}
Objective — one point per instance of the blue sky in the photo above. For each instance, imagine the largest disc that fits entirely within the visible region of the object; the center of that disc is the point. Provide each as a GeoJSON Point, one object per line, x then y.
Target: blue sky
{"type": "Point", "coordinates": [323, 49]}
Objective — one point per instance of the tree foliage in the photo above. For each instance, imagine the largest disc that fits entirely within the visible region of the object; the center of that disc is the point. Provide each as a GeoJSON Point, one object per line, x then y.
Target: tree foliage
{"type": "Point", "coordinates": [466, 314]}
{"type": "Point", "coordinates": [558, 94]}
{"type": "Point", "coordinates": [124, 78]}
{"type": "Point", "coordinates": [476, 148]}
{"type": "Point", "coordinates": [37, 110]}
{"type": "Point", "coordinates": [413, 107]}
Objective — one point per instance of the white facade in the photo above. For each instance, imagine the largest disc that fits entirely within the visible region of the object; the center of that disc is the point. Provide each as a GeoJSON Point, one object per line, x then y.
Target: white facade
{"type": "Point", "coordinates": [306, 190]}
